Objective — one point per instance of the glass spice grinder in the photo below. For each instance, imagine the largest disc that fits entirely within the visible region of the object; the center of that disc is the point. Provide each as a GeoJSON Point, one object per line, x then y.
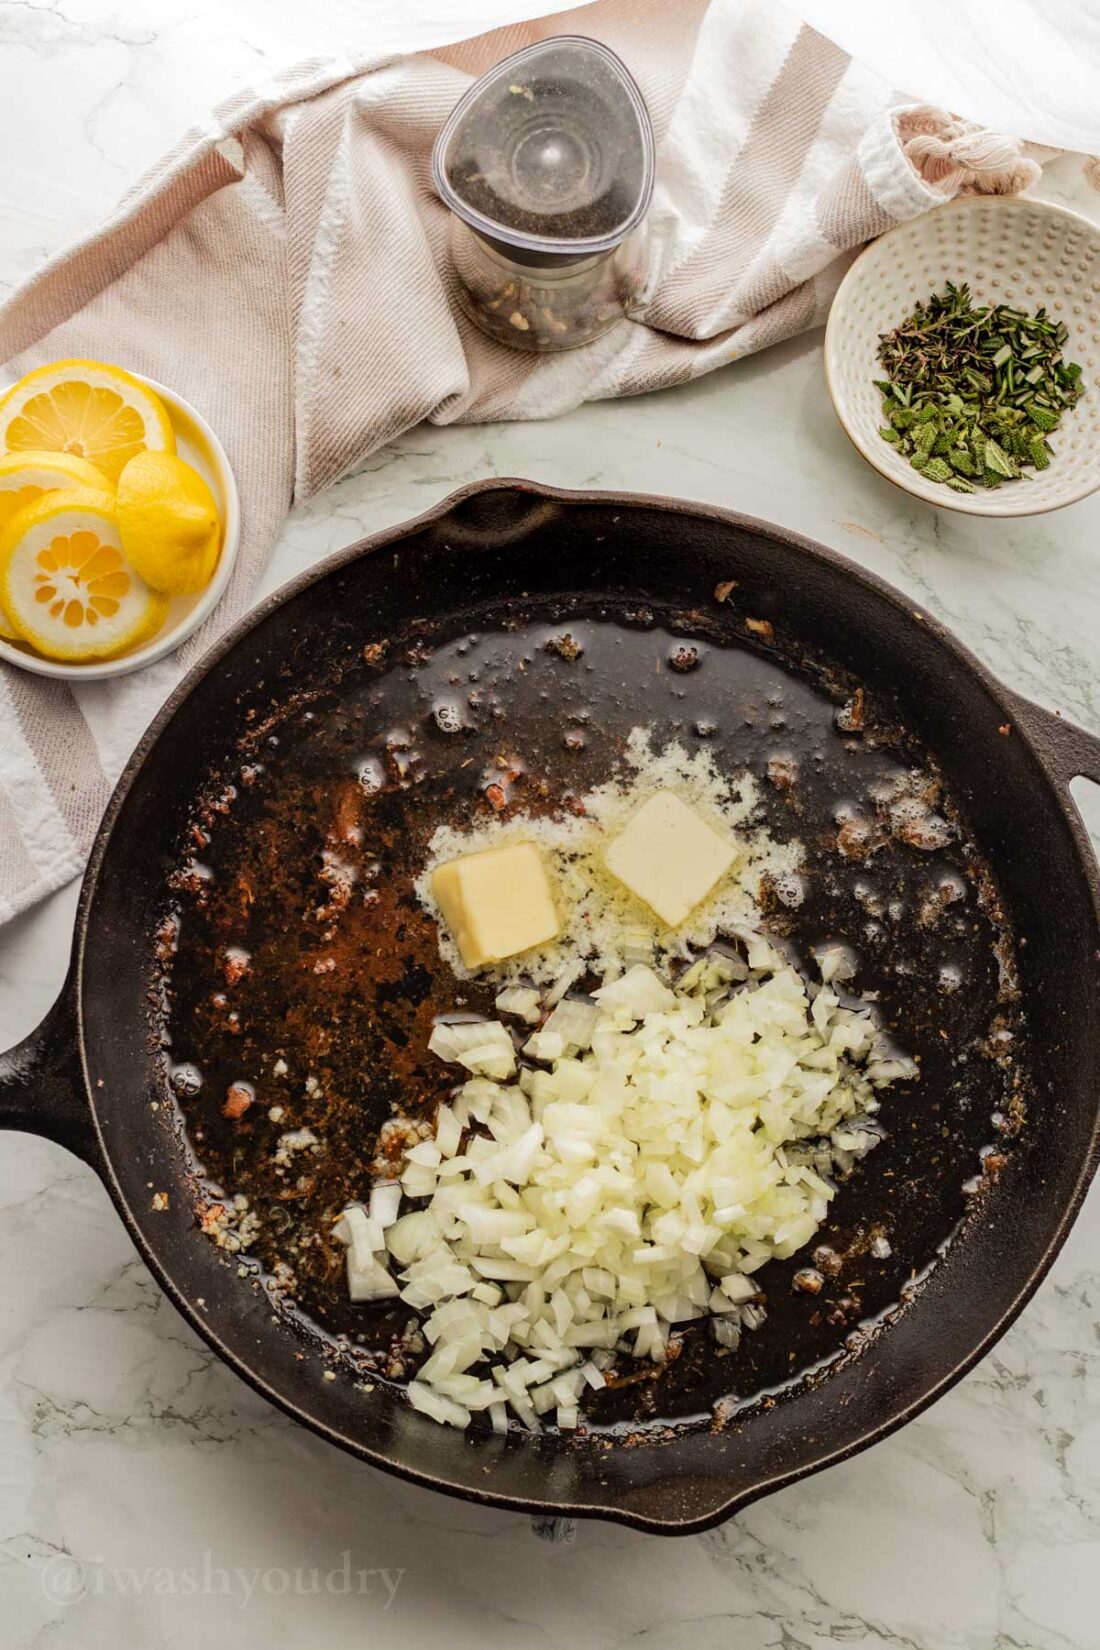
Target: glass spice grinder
{"type": "Point", "coordinates": [547, 166]}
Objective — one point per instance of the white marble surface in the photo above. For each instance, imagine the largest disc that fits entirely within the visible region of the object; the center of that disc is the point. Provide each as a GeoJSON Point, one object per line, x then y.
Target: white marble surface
{"type": "Point", "coordinates": [148, 1498]}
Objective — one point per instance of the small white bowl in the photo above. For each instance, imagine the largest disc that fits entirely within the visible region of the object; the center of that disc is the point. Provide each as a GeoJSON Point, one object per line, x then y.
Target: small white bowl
{"type": "Point", "coordinates": [1009, 250]}
{"type": "Point", "coordinates": [200, 447]}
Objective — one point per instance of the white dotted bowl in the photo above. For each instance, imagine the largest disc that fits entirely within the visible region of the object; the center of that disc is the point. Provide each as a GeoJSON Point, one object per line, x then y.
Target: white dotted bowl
{"type": "Point", "coordinates": [1019, 252]}
{"type": "Point", "coordinates": [197, 443]}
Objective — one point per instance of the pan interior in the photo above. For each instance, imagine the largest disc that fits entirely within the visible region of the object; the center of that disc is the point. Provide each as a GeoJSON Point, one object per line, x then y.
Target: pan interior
{"type": "Point", "coordinates": [306, 975]}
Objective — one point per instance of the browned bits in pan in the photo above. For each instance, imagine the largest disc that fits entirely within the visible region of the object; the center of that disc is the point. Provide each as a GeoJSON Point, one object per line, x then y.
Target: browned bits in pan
{"type": "Point", "coordinates": [238, 1098]}
{"type": "Point", "coordinates": [683, 658]}
{"type": "Point", "coordinates": [852, 713]}
{"type": "Point", "coordinates": [782, 771]}
{"type": "Point", "coordinates": [565, 646]}
{"type": "Point", "coordinates": [236, 965]}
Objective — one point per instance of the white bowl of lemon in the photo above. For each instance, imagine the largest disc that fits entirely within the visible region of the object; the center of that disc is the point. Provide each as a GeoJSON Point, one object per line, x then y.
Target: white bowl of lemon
{"type": "Point", "coordinates": [119, 521]}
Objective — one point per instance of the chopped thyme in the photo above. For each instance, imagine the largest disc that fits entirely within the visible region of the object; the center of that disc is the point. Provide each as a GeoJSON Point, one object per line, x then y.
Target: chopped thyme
{"type": "Point", "coordinates": [973, 392]}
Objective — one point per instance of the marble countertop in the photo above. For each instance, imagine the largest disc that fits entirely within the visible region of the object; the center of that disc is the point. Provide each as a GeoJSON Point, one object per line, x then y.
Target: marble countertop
{"type": "Point", "coordinates": [148, 1497]}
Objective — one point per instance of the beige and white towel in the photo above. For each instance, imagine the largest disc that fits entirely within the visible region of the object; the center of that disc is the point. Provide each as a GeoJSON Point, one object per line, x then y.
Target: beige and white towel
{"type": "Point", "coordinates": [286, 270]}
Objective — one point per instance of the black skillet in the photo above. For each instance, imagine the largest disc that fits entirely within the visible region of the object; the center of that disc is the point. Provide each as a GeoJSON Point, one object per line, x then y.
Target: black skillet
{"type": "Point", "coordinates": [85, 1077]}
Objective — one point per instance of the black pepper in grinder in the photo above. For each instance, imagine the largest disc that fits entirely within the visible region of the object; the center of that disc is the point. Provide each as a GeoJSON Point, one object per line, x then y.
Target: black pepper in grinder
{"type": "Point", "coordinates": [547, 165]}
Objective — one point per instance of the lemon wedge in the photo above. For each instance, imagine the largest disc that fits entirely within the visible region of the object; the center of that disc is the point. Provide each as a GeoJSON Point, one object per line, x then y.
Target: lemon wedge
{"type": "Point", "coordinates": [86, 408]}
{"type": "Point", "coordinates": [65, 583]}
{"type": "Point", "coordinates": [169, 522]}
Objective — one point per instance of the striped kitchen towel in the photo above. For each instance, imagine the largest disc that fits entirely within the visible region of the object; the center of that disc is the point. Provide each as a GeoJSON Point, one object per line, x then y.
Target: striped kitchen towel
{"type": "Point", "coordinates": [286, 270]}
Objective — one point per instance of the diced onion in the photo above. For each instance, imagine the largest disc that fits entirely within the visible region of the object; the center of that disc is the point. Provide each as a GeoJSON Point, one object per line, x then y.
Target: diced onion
{"type": "Point", "coordinates": [635, 994]}
{"type": "Point", "coordinates": [574, 1022]}
{"type": "Point", "coordinates": [371, 1282]}
{"type": "Point", "coordinates": [522, 1001]}
{"type": "Point", "coordinates": [385, 1202]}
{"type": "Point", "coordinates": [680, 1140]}
{"type": "Point", "coordinates": [836, 962]}
{"type": "Point", "coordinates": [361, 1233]}
{"type": "Point", "coordinates": [564, 982]}
{"type": "Point", "coordinates": [482, 1046]}
{"type": "Point", "coordinates": [438, 1407]}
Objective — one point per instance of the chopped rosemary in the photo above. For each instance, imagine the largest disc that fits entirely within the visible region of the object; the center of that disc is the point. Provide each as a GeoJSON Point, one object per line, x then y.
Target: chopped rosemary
{"type": "Point", "coordinates": [972, 393]}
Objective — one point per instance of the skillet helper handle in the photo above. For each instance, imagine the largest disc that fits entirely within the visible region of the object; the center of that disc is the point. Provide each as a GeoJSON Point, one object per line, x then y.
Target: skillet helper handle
{"type": "Point", "coordinates": [1065, 750]}
{"type": "Point", "coordinates": [42, 1083]}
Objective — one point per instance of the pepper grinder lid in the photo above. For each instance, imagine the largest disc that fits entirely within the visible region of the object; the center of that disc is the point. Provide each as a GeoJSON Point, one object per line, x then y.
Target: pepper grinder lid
{"type": "Point", "coordinates": [551, 153]}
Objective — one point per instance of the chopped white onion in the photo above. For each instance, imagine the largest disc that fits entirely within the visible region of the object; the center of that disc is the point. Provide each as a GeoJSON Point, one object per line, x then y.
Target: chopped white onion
{"type": "Point", "coordinates": [484, 1047]}
{"type": "Point", "coordinates": [371, 1282]}
{"type": "Point", "coordinates": [362, 1235]}
{"type": "Point", "coordinates": [385, 1202]}
{"type": "Point", "coordinates": [727, 1332]}
{"type": "Point", "coordinates": [564, 982]}
{"type": "Point", "coordinates": [574, 1022]}
{"type": "Point", "coordinates": [522, 1001]}
{"type": "Point", "coordinates": [544, 1045]}
{"type": "Point", "coordinates": [681, 1139]}
{"type": "Point", "coordinates": [635, 994]}
{"type": "Point", "coordinates": [438, 1407]}
{"type": "Point", "coordinates": [892, 1071]}
{"type": "Point", "coordinates": [835, 961]}
{"type": "Point", "coordinates": [412, 1237]}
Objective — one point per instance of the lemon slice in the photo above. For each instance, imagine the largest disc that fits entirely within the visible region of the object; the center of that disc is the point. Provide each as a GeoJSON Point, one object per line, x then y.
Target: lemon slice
{"type": "Point", "coordinates": [26, 476]}
{"type": "Point", "coordinates": [65, 584]}
{"type": "Point", "coordinates": [87, 408]}
{"type": "Point", "coordinates": [169, 522]}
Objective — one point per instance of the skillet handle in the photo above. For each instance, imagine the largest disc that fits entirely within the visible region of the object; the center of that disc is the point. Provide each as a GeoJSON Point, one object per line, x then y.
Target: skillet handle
{"type": "Point", "coordinates": [42, 1082]}
{"type": "Point", "coordinates": [1065, 750]}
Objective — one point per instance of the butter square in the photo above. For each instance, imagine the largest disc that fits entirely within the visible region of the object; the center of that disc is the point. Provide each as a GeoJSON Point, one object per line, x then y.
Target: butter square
{"type": "Point", "coordinates": [669, 857]}
{"type": "Point", "coordinates": [496, 903]}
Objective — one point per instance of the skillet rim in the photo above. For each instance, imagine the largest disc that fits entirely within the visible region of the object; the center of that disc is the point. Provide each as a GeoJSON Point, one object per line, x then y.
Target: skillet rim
{"type": "Point", "coordinates": [1027, 721]}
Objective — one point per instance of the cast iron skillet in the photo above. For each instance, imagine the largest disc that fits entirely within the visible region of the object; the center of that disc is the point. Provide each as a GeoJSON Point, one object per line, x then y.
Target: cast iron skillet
{"type": "Point", "coordinates": [86, 1075]}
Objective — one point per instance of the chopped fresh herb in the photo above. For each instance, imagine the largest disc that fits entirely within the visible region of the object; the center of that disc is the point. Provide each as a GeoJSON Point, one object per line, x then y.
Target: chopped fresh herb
{"type": "Point", "coordinates": [972, 392]}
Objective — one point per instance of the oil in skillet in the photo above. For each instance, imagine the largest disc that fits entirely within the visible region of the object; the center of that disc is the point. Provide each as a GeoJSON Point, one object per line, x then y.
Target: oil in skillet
{"type": "Point", "coordinates": [309, 874]}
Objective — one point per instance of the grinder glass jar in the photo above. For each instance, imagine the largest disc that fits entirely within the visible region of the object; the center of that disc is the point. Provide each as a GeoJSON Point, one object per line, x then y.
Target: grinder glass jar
{"type": "Point", "coordinates": [547, 166]}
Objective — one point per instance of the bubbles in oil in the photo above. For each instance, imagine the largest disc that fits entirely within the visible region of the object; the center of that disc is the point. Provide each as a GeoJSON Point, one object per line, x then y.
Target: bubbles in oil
{"type": "Point", "coordinates": [371, 775]}
{"type": "Point", "coordinates": [790, 889]}
{"type": "Point", "coordinates": [447, 717]}
{"type": "Point", "coordinates": [917, 824]}
{"type": "Point", "coordinates": [186, 1079]}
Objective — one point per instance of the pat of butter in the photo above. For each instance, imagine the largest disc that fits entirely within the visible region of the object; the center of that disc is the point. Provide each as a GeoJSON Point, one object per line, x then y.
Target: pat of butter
{"type": "Point", "coordinates": [669, 857]}
{"type": "Point", "coordinates": [496, 903]}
